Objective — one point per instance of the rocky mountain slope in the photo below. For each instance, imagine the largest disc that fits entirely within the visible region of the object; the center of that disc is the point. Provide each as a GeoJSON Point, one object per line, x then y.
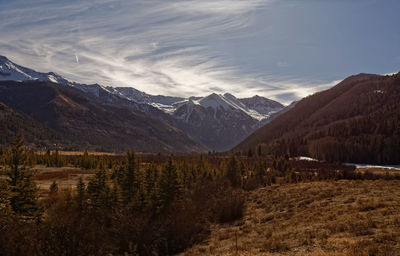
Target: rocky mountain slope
{"type": "Point", "coordinates": [218, 121]}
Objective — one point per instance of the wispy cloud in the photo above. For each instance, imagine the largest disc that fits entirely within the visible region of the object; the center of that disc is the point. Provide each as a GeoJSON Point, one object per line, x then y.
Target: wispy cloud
{"type": "Point", "coordinates": [161, 47]}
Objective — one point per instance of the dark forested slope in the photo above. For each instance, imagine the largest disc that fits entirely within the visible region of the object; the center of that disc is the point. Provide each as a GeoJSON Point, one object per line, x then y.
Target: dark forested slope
{"type": "Point", "coordinates": [83, 122]}
{"type": "Point", "coordinates": [358, 120]}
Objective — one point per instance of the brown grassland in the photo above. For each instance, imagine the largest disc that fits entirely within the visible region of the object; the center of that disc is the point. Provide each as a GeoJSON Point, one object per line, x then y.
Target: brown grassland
{"type": "Point", "coordinates": [359, 217]}
{"type": "Point", "coordinates": [65, 177]}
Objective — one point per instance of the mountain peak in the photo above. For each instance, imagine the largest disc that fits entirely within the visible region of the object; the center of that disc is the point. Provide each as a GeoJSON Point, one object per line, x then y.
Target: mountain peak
{"type": "Point", "coordinates": [3, 58]}
{"type": "Point", "coordinates": [11, 71]}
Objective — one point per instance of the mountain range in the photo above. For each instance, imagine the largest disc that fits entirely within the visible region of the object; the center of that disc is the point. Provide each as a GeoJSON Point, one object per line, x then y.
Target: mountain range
{"type": "Point", "coordinates": [108, 118]}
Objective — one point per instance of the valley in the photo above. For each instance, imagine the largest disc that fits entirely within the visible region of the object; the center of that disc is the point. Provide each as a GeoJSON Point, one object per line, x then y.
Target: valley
{"type": "Point", "coordinates": [194, 128]}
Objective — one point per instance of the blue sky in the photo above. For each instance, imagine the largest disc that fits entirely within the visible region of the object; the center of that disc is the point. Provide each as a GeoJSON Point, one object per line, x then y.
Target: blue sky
{"type": "Point", "coordinates": [283, 49]}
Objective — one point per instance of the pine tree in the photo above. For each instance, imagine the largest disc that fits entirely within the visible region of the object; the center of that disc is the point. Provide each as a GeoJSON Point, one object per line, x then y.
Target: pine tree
{"type": "Point", "coordinates": [151, 186]}
{"type": "Point", "coordinates": [47, 158]}
{"type": "Point", "coordinates": [24, 200]}
{"type": "Point", "coordinates": [116, 197]}
{"type": "Point", "coordinates": [260, 171]}
{"type": "Point", "coordinates": [233, 172]}
{"type": "Point", "coordinates": [99, 191]}
{"type": "Point", "coordinates": [81, 188]}
{"type": "Point", "coordinates": [259, 150]}
{"type": "Point", "coordinates": [169, 185]}
{"type": "Point", "coordinates": [81, 193]}
{"type": "Point", "coordinates": [130, 179]}
{"type": "Point", "coordinates": [53, 190]}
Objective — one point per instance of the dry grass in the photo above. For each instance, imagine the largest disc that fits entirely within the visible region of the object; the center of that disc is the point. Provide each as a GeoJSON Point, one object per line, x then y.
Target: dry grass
{"type": "Point", "coordinates": [380, 171]}
{"type": "Point", "coordinates": [65, 177]}
{"type": "Point", "coordinates": [79, 153]}
{"type": "Point", "coordinates": [317, 218]}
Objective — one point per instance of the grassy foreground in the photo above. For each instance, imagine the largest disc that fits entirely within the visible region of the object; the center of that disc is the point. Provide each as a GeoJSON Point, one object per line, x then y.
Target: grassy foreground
{"type": "Point", "coordinates": [315, 218]}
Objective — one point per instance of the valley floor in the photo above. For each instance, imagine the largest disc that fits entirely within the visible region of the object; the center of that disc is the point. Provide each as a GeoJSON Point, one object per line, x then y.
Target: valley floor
{"type": "Point", "coordinates": [316, 218]}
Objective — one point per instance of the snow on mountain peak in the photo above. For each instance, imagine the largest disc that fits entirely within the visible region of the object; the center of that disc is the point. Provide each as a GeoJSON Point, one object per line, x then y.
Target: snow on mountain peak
{"type": "Point", "coordinates": [257, 107]}
{"type": "Point", "coordinates": [12, 71]}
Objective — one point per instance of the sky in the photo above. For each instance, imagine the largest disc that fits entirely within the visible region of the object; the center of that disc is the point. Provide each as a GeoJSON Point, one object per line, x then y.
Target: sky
{"type": "Point", "coordinates": [280, 49]}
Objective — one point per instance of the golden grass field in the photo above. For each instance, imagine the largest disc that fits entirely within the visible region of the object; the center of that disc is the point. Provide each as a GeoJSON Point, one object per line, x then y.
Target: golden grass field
{"type": "Point", "coordinates": [66, 177]}
{"type": "Point", "coordinates": [315, 218]}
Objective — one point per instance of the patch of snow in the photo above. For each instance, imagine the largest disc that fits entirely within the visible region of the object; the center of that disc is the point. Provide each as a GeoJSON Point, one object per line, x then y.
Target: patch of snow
{"type": "Point", "coordinates": [52, 79]}
{"type": "Point", "coordinates": [396, 167]}
{"type": "Point", "coordinates": [306, 158]}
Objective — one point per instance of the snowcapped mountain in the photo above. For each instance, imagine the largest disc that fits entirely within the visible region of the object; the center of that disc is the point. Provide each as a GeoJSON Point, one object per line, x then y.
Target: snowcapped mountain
{"type": "Point", "coordinates": [14, 72]}
{"type": "Point", "coordinates": [221, 121]}
{"type": "Point", "coordinates": [259, 108]}
{"type": "Point", "coordinates": [164, 103]}
{"type": "Point", "coordinates": [262, 105]}
{"type": "Point", "coordinates": [218, 121]}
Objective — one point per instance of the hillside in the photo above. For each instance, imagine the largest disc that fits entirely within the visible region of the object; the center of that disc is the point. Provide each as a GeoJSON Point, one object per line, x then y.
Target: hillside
{"type": "Point", "coordinates": [360, 116]}
{"type": "Point", "coordinates": [315, 218]}
{"type": "Point", "coordinates": [13, 122]}
{"type": "Point", "coordinates": [88, 124]}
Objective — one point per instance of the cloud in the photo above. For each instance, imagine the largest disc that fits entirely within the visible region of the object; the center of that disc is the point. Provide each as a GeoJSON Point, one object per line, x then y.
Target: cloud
{"type": "Point", "coordinates": [160, 47]}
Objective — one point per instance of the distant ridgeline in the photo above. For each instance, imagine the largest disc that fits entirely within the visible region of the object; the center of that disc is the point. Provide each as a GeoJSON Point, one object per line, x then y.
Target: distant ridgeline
{"type": "Point", "coordinates": [358, 120]}
{"type": "Point", "coordinates": [79, 116]}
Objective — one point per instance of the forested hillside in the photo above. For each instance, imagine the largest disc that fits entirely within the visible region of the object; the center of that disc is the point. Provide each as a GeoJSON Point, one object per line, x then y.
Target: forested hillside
{"type": "Point", "coordinates": [358, 120]}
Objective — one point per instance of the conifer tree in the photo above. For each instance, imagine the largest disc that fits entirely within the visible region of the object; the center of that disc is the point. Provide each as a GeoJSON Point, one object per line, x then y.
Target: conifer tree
{"type": "Point", "coordinates": [169, 185]}
{"type": "Point", "coordinates": [140, 194]}
{"type": "Point", "coordinates": [116, 197]}
{"type": "Point", "coordinates": [234, 171]}
{"type": "Point", "coordinates": [81, 192]}
{"type": "Point", "coordinates": [56, 159]}
{"type": "Point", "coordinates": [53, 188]}
{"type": "Point", "coordinates": [85, 160]}
{"type": "Point", "coordinates": [24, 200]}
{"type": "Point", "coordinates": [99, 191]}
{"type": "Point", "coordinates": [130, 179]}
{"type": "Point", "coordinates": [151, 185]}
{"type": "Point", "coordinates": [81, 188]}
{"type": "Point", "coordinates": [47, 158]}
{"type": "Point", "coordinates": [260, 171]}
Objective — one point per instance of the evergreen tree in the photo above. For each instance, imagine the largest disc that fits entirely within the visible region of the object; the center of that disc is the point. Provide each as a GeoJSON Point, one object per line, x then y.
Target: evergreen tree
{"type": "Point", "coordinates": [99, 191]}
{"type": "Point", "coordinates": [169, 185]}
{"type": "Point", "coordinates": [260, 171]}
{"type": "Point", "coordinates": [116, 197]}
{"type": "Point", "coordinates": [81, 193]}
{"type": "Point", "coordinates": [81, 188]}
{"type": "Point", "coordinates": [53, 190]}
{"type": "Point", "coordinates": [130, 179]}
{"type": "Point", "coordinates": [47, 158]}
{"type": "Point", "coordinates": [24, 200]}
{"type": "Point", "coordinates": [151, 185]}
{"type": "Point", "coordinates": [233, 171]}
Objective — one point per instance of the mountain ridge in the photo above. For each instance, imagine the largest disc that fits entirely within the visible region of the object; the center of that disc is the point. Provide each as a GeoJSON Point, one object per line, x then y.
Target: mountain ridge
{"type": "Point", "coordinates": [232, 119]}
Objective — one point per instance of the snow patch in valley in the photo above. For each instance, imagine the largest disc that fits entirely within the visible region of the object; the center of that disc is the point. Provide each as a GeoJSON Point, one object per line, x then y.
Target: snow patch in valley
{"type": "Point", "coordinates": [370, 166]}
{"type": "Point", "coordinates": [306, 158]}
